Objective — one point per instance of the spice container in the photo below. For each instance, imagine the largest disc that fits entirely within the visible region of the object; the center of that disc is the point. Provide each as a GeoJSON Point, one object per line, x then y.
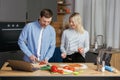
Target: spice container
{"type": "Point", "coordinates": [98, 64]}
{"type": "Point", "coordinates": [103, 66]}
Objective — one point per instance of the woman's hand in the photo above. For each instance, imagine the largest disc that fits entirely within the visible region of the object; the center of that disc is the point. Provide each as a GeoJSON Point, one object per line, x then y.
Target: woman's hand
{"type": "Point", "coordinates": [63, 55]}
{"type": "Point", "coordinates": [81, 50]}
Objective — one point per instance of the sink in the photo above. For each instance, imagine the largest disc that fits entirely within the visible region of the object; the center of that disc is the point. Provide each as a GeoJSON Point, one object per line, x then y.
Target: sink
{"type": "Point", "coordinates": [111, 51]}
{"type": "Point", "coordinates": [115, 51]}
{"type": "Point", "coordinates": [93, 50]}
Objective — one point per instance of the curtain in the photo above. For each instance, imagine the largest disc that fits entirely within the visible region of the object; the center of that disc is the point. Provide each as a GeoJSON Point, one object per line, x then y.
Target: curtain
{"type": "Point", "coordinates": [101, 17]}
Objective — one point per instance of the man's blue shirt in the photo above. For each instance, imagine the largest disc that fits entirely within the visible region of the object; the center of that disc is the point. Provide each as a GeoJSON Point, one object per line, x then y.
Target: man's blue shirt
{"type": "Point", "coordinates": [28, 41]}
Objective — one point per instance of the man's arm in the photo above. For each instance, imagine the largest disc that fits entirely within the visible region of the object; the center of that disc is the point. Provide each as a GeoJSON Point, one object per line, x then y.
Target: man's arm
{"type": "Point", "coordinates": [52, 46]}
{"type": "Point", "coordinates": [22, 41]}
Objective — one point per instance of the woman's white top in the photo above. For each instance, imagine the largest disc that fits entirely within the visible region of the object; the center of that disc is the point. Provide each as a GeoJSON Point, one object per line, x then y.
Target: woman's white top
{"type": "Point", "coordinates": [72, 40]}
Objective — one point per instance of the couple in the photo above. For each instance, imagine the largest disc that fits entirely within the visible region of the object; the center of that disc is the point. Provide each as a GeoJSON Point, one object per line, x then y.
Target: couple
{"type": "Point", "coordinates": [38, 39]}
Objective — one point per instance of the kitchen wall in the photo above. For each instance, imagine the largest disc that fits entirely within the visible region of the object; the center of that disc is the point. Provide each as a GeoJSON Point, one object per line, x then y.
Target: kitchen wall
{"type": "Point", "coordinates": [34, 7]}
{"type": "Point", "coordinates": [20, 10]}
{"type": "Point", "coordinates": [13, 10]}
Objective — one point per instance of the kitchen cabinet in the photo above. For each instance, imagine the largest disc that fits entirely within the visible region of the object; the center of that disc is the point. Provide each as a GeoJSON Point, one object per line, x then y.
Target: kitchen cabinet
{"type": "Point", "coordinates": [62, 7]}
{"type": "Point", "coordinates": [58, 29]}
{"type": "Point", "coordinates": [62, 11]}
{"type": "Point", "coordinates": [35, 6]}
{"type": "Point", "coordinates": [115, 60]}
{"type": "Point", "coordinates": [13, 10]}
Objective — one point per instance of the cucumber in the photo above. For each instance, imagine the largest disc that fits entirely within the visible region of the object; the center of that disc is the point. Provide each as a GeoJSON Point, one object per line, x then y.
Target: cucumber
{"type": "Point", "coordinates": [47, 67]}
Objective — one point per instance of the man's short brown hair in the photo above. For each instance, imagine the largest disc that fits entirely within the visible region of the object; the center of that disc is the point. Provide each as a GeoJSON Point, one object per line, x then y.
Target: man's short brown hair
{"type": "Point", "coordinates": [46, 13]}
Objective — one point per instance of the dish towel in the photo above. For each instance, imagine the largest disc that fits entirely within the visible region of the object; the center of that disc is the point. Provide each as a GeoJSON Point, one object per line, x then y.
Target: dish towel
{"type": "Point", "coordinates": [39, 43]}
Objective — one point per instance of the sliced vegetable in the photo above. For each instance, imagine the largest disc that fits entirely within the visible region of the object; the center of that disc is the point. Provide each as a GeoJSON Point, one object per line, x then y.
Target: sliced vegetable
{"type": "Point", "coordinates": [69, 68]}
{"type": "Point", "coordinates": [60, 71]}
{"type": "Point", "coordinates": [76, 73]}
{"type": "Point", "coordinates": [42, 63]}
{"type": "Point", "coordinates": [47, 67]}
{"type": "Point", "coordinates": [66, 67]}
{"type": "Point", "coordinates": [67, 71]}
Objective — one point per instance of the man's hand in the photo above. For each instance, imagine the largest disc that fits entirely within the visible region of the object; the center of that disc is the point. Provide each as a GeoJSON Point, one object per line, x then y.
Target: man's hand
{"type": "Point", "coordinates": [44, 62]}
{"type": "Point", "coordinates": [33, 58]}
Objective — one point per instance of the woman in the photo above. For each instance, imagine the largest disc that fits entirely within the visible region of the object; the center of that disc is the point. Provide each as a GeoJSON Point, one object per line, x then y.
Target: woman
{"type": "Point", "coordinates": [75, 40]}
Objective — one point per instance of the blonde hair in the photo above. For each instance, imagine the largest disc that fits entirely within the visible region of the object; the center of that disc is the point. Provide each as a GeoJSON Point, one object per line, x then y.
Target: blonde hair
{"type": "Point", "coordinates": [78, 22]}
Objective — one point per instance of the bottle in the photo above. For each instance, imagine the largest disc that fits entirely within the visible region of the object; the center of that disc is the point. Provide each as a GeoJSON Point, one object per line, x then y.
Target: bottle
{"type": "Point", "coordinates": [108, 68]}
{"type": "Point", "coordinates": [103, 66]}
{"type": "Point", "coordinates": [98, 63]}
{"type": "Point", "coordinates": [96, 45]}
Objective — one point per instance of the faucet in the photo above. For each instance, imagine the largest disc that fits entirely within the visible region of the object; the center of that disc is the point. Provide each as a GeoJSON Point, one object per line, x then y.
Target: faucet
{"type": "Point", "coordinates": [96, 42]}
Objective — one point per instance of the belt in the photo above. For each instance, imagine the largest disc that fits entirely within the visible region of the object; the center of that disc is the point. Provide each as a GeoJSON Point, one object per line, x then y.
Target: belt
{"type": "Point", "coordinates": [74, 53]}
{"type": "Point", "coordinates": [69, 56]}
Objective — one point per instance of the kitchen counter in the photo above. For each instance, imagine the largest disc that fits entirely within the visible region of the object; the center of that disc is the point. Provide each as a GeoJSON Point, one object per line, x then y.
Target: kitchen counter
{"type": "Point", "coordinates": [89, 71]}
{"type": "Point", "coordinates": [111, 51]}
{"type": "Point", "coordinates": [115, 56]}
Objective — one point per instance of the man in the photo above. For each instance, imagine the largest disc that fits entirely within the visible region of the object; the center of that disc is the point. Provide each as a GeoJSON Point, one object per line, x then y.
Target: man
{"type": "Point", "coordinates": [37, 39]}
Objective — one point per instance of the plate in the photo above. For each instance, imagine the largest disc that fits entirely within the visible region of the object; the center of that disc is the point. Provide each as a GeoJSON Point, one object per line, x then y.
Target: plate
{"type": "Point", "coordinates": [83, 66]}
{"type": "Point", "coordinates": [62, 65]}
{"type": "Point", "coordinates": [79, 66]}
{"type": "Point", "coordinates": [75, 65]}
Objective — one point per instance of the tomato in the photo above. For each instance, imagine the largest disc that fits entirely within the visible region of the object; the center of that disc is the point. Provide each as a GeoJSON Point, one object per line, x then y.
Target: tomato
{"type": "Point", "coordinates": [66, 67]}
{"type": "Point", "coordinates": [42, 63]}
{"type": "Point", "coordinates": [60, 71]}
{"type": "Point", "coordinates": [54, 68]}
{"type": "Point", "coordinates": [71, 68]}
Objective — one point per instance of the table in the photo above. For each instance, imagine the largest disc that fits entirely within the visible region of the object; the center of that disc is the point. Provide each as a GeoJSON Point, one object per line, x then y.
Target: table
{"type": "Point", "coordinates": [90, 71]}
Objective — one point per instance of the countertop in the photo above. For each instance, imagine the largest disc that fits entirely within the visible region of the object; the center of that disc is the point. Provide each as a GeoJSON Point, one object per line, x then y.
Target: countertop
{"type": "Point", "coordinates": [111, 51]}
{"type": "Point", "coordinates": [89, 71]}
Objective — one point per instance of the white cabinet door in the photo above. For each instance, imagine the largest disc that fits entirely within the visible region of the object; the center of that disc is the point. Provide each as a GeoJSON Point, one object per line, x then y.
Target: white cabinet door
{"type": "Point", "coordinates": [13, 10]}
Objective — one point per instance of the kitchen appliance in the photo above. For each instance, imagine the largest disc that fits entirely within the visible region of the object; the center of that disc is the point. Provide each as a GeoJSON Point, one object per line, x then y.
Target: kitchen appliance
{"type": "Point", "coordinates": [9, 33]}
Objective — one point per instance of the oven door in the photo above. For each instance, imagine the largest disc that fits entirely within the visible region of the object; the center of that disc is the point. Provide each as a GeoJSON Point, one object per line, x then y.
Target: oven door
{"type": "Point", "coordinates": [9, 36]}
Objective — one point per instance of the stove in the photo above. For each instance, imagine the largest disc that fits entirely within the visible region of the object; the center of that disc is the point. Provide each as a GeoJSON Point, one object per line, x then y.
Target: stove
{"type": "Point", "coordinates": [9, 34]}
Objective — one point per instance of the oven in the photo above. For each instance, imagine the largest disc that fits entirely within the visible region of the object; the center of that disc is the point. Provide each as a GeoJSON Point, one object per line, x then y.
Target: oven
{"type": "Point", "coordinates": [9, 33]}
